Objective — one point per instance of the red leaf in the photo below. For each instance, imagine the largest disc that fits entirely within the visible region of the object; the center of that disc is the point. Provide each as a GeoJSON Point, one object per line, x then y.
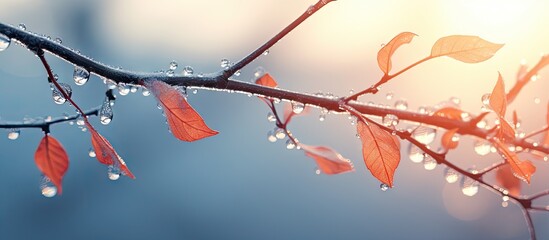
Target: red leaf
{"type": "Point", "coordinates": [106, 154]}
{"type": "Point", "coordinates": [266, 80]}
{"type": "Point", "coordinates": [447, 139]}
{"type": "Point", "coordinates": [506, 131]}
{"type": "Point", "coordinates": [468, 49]}
{"type": "Point", "coordinates": [505, 177]}
{"type": "Point", "coordinates": [52, 160]}
{"type": "Point", "coordinates": [386, 52]}
{"type": "Point", "coordinates": [521, 169]}
{"type": "Point", "coordinates": [185, 123]}
{"type": "Point", "coordinates": [380, 151]}
{"type": "Point", "coordinates": [328, 161]}
{"type": "Point", "coordinates": [498, 101]}
{"type": "Point", "coordinates": [515, 119]}
{"type": "Point", "coordinates": [449, 112]}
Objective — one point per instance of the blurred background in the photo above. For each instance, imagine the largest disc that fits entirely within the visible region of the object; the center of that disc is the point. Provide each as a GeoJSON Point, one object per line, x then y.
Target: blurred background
{"type": "Point", "coordinates": [237, 185]}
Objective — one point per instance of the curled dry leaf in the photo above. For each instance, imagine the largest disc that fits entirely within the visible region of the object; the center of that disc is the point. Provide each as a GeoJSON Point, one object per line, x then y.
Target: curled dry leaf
{"type": "Point", "coordinates": [185, 123]}
{"type": "Point", "coordinates": [328, 161]}
{"type": "Point", "coordinates": [106, 154]}
{"type": "Point", "coordinates": [380, 151]}
{"type": "Point", "coordinates": [52, 160]}
{"type": "Point", "coordinates": [449, 112]}
{"type": "Point", "coordinates": [505, 178]}
{"type": "Point", "coordinates": [386, 52]}
{"type": "Point", "coordinates": [521, 169]}
{"type": "Point", "coordinates": [468, 49]}
{"type": "Point", "coordinates": [448, 141]}
{"type": "Point", "coordinates": [267, 80]}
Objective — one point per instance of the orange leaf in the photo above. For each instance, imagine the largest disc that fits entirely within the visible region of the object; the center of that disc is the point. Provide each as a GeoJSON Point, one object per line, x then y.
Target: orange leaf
{"type": "Point", "coordinates": [328, 161]}
{"type": "Point", "coordinates": [521, 169]}
{"type": "Point", "coordinates": [266, 80]}
{"type": "Point", "coordinates": [385, 53]}
{"type": "Point", "coordinates": [498, 100]}
{"type": "Point", "coordinates": [506, 131]}
{"type": "Point", "coordinates": [380, 151]}
{"type": "Point", "coordinates": [449, 112]}
{"type": "Point", "coordinates": [185, 123]}
{"type": "Point", "coordinates": [106, 154]}
{"type": "Point", "coordinates": [505, 177]}
{"type": "Point", "coordinates": [515, 119]}
{"type": "Point", "coordinates": [468, 49]}
{"type": "Point", "coordinates": [447, 140]}
{"type": "Point", "coordinates": [52, 160]}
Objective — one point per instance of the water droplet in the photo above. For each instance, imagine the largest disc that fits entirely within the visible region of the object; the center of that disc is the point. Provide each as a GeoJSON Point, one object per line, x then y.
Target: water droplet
{"type": "Point", "coordinates": [271, 117]}
{"type": "Point", "coordinates": [170, 73]}
{"type": "Point", "coordinates": [237, 73]}
{"type": "Point", "coordinates": [47, 188]}
{"type": "Point", "coordinates": [455, 100]}
{"type": "Point", "coordinates": [105, 112]}
{"type": "Point", "coordinates": [188, 71]}
{"type": "Point", "coordinates": [57, 96]}
{"type": "Point", "coordinates": [469, 187]}
{"type": "Point", "coordinates": [195, 91]}
{"type": "Point", "coordinates": [390, 120]}
{"type": "Point", "coordinates": [429, 163]}
{"type": "Point", "coordinates": [22, 26]}
{"type": "Point", "coordinates": [401, 105]}
{"type": "Point", "coordinates": [225, 63]}
{"type": "Point", "coordinates": [4, 42]}
{"type": "Point", "coordinates": [389, 96]}
{"type": "Point", "coordinates": [92, 153]}
{"type": "Point", "coordinates": [317, 171]}
{"type": "Point", "coordinates": [80, 76]}
{"type": "Point", "coordinates": [534, 78]}
{"type": "Point", "coordinates": [271, 136]}
{"type": "Point", "coordinates": [123, 89]}
{"type": "Point", "coordinates": [13, 133]}
{"type": "Point", "coordinates": [322, 117]}
{"type": "Point", "coordinates": [451, 175]}
{"type": "Point", "coordinates": [113, 173]}
{"type": "Point", "coordinates": [482, 147]}
{"type": "Point", "coordinates": [259, 71]}
{"type": "Point", "coordinates": [80, 121]}
{"type": "Point", "coordinates": [311, 9]}
{"type": "Point", "coordinates": [266, 52]}
{"type": "Point", "coordinates": [486, 100]}
{"type": "Point", "coordinates": [173, 65]}
{"type": "Point", "coordinates": [415, 154]}
{"type": "Point", "coordinates": [298, 107]}
{"type": "Point", "coordinates": [425, 135]}
{"type": "Point", "coordinates": [145, 92]}
{"type": "Point", "coordinates": [537, 100]}
{"type": "Point", "coordinates": [290, 144]}
{"type": "Point", "coordinates": [58, 40]}
{"type": "Point", "coordinates": [384, 187]}
{"type": "Point", "coordinates": [280, 133]}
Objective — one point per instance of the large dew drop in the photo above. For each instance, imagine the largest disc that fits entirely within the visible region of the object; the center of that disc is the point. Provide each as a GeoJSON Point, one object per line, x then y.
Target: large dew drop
{"type": "Point", "coordinates": [469, 187]}
{"type": "Point", "coordinates": [57, 96]}
{"type": "Point", "coordinates": [105, 113]}
{"type": "Point", "coordinates": [482, 147]}
{"type": "Point", "coordinates": [290, 144]}
{"type": "Point", "coordinates": [4, 42]}
{"type": "Point", "coordinates": [123, 89]}
{"type": "Point", "coordinates": [451, 175]}
{"type": "Point", "coordinates": [425, 135]}
{"type": "Point", "coordinates": [113, 173]}
{"type": "Point", "coordinates": [390, 120]}
{"type": "Point", "coordinates": [415, 154]}
{"type": "Point", "coordinates": [298, 107]}
{"type": "Point", "coordinates": [429, 163]}
{"type": "Point", "coordinates": [188, 71]}
{"type": "Point", "coordinates": [47, 188]}
{"type": "Point", "coordinates": [13, 133]}
{"type": "Point", "coordinates": [271, 136]}
{"type": "Point", "coordinates": [80, 76]}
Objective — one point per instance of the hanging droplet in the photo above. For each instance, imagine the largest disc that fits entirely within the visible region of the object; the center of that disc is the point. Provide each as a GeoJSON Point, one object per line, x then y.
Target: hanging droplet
{"type": "Point", "coordinates": [425, 135]}
{"type": "Point", "coordinates": [57, 96]}
{"type": "Point", "coordinates": [322, 117]}
{"type": "Point", "coordinates": [123, 89]}
{"type": "Point", "coordinates": [22, 26]}
{"type": "Point", "coordinates": [271, 136]}
{"type": "Point", "coordinates": [429, 163]}
{"type": "Point", "coordinates": [173, 65]}
{"type": "Point", "coordinates": [195, 91]}
{"type": "Point", "coordinates": [401, 105]}
{"type": "Point", "coordinates": [450, 175]}
{"type": "Point", "coordinates": [266, 52]}
{"type": "Point", "coordinates": [271, 117]}
{"type": "Point", "coordinates": [415, 154]}
{"type": "Point", "coordinates": [113, 173]}
{"type": "Point", "coordinates": [80, 121]}
{"type": "Point", "coordinates": [133, 89]}
{"type": "Point", "coordinates": [486, 100]}
{"type": "Point", "coordinates": [188, 71]}
{"type": "Point", "coordinates": [80, 76]}
{"type": "Point", "coordinates": [105, 112]}
{"type": "Point", "coordinates": [4, 42]}
{"type": "Point", "coordinates": [469, 187]}
{"type": "Point", "coordinates": [390, 120]}
{"type": "Point", "coordinates": [47, 188]}
{"type": "Point", "coordinates": [317, 171]}
{"type": "Point", "coordinates": [145, 92]}
{"type": "Point", "coordinates": [298, 107]}
{"type": "Point", "coordinates": [92, 153]}
{"type": "Point", "coordinates": [384, 187]}
{"type": "Point", "coordinates": [290, 144]}
{"type": "Point", "coordinates": [237, 73]}
{"type": "Point", "coordinates": [225, 63]}
{"type": "Point", "coordinates": [537, 100]}
{"type": "Point", "coordinates": [259, 71]}
{"type": "Point", "coordinates": [13, 133]}
{"type": "Point", "coordinates": [482, 147]}
{"type": "Point", "coordinates": [280, 133]}
{"type": "Point", "coordinates": [389, 96]}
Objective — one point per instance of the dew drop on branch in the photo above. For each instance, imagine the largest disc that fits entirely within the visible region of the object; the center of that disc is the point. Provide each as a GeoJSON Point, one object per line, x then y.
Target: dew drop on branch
{"type": "Point", "coordinates": [173, 65]}
{"type": "Point", "coordinates": [451, 175]}
{"type": "Point", "coordinates": [57, 96]}
{"type": "Point", "coordinates": [13, 134]}
{"type": "Point", "coordinates": [271, 136]}
{"type": "Point", "coordinates": [4, 42]}
{"type": "Point", "coordinates": [188, 71]}
{"type": "Point", "coordinates": [123, 89]}
{"type": "Point", "coordinates": [429, 163]}
{"type": "Point", "coordinates": [145, 92]}
{"type": "Point", "coordinates": [271, 117]}
{"type": "Point", "coordinates": [390, 120]}
{"type": "Point", "coordinates": [298, 107]}
{"type": "Point", "coordinates": [469, 187]}
{"type": "Point", "coordinates": [425, 135]}
{"type": "Point", "coordinates": [80, 76]}
{"type": "Point", "coordinates": [389, 96]}
{"type": "Point", "coordinates": [80, 121]}
{"type": "Point", "coordinates": [415, 154]}
{"type": "Point", "coordinates": [401, 105]}
{"type": "Point", "coordinates": [290, 144]}
{"type": "Point", "coordinates": [225, 63]}
{"type": "Point", "coordinates": [280, 133]}
{"type": "Point", "coordinates": [266, 52]}
{"type": "Point", "coordinates": [47, 188]}
{"type": "Point", "coordinates": [105, 112]}
{"type": "Point", "coordinates": [22, 26]}
{"type": "Point", "coordinates": [482, 147]}
{"type": "Point", "coordinates": [259, 71]}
